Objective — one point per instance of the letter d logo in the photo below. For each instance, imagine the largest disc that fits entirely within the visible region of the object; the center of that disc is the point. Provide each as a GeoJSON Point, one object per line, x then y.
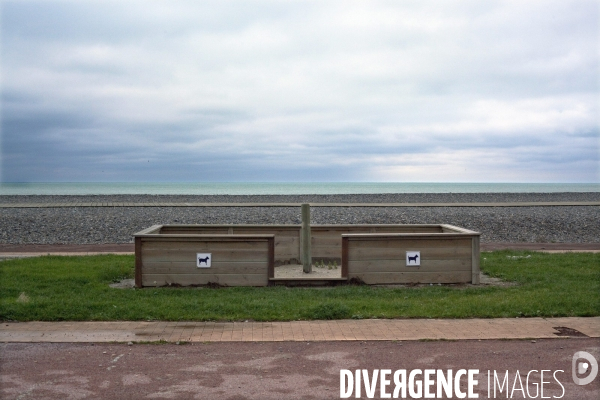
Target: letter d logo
{"type": "Point", "coordinates": [583, 367]}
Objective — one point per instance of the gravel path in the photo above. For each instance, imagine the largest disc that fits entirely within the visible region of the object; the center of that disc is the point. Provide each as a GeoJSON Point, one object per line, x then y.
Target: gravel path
{"type": "Point", "coordinates": [89, 225]}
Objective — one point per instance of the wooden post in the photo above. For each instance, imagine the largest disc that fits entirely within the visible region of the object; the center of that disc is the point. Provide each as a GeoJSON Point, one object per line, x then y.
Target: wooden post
{"type": "Point", "coordinates": [306, 256]}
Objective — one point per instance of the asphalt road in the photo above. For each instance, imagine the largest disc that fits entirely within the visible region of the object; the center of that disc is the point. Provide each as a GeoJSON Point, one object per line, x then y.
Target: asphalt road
{"type": "Point", "coordinates": [280, 370]}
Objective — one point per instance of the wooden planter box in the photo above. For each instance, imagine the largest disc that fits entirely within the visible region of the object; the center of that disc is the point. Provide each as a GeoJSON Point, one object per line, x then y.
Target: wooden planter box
{"type": "Point", "coordinates": [246, 255]}
{"type": "Point", "coordinates": [450, 255]}
{"type": "Point", "coordinates": [163, 258]}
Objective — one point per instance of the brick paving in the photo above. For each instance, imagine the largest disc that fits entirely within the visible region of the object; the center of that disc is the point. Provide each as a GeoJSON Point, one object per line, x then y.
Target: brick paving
{"type": "Point", "coordinates": [337, 330]}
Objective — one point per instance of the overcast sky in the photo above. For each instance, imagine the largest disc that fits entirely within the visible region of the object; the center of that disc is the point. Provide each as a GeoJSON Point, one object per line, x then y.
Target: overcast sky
{"type": "Point", "coordinates": [422, 91]}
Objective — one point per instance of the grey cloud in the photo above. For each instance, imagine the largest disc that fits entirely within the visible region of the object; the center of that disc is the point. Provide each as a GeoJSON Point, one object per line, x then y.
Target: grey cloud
{"type": "Point", "coordinates": [266, 90]}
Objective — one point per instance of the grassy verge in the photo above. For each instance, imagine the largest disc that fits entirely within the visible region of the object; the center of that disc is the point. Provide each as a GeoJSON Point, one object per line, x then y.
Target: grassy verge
{"type": "Point", "coordinates": [76, 288]}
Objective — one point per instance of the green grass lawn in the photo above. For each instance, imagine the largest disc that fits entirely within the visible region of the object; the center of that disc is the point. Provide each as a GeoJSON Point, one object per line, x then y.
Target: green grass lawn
{"type": "Point", "coordinates": [76, 288]}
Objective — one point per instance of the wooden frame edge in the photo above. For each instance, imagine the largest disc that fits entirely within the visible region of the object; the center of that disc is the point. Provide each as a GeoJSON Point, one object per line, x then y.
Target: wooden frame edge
{"type": "Point", "coordinates": [153, 230]}
{"type": "Point", "coordinates": [458, 229]}
{"type": "Point", "coordinates": [193, 226]}
{"type": "Point", "coordinates": [377, 236]}
{"type": "Point", "coordinates": [208, 237]}
{"type": "Point", "coordinates": [475, 268]}
{"type": "Point", "coordinates": [271, 266]}
{"type": "Point", "coordinates": [138, 262]}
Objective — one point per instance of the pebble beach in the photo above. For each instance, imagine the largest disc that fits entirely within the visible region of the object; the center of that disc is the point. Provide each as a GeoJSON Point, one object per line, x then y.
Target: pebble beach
{"type": "Point", "coordinates": [95, 225]}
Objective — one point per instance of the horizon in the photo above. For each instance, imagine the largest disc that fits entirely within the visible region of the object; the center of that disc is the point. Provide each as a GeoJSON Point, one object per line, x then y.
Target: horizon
{"type": "Point", "coordinates": [299, 182]}
{"type": "Point", "coordinates": [285, 188]}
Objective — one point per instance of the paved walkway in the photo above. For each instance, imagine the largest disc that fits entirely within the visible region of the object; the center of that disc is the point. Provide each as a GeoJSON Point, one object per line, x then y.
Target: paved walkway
{"type": "Point", "coordinates": [478, 204]}
{"type": "Point", "coordinates": [338, 330]}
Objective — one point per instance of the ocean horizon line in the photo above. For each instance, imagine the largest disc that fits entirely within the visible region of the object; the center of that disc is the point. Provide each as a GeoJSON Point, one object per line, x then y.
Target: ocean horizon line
{"type": "Point", "coordinates": [285, 188]}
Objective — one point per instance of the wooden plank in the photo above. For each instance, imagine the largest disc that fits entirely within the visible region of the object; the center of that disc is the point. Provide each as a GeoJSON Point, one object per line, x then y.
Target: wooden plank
{"type": "Point", "coordinates": [399, 265]}
{"type": "Point", "coordinates": [287, 242]}
{"type": "Point", "coordinates": [326, 240]}
{"type": "Point", "coordinates": [435, 242]}
{"type": "Point", "coordinates": [376, 228]}
{"type": "Point", "coordinates": [327, 252]}
{"type": "Point", "coordinates": [195, 279]}
{"type": "Point", "coordinates": [435, 253]}
{"type": "Point", "coordinates": [329, 249]}
{"type": "Point", "coordinates": [413, 236]}
{"type": "Point", "coordinates": [285, 254]}
{"type": "Point", "coordinates": [363, 226]}
{"type": "Point", "coordinates": [249, 227]}
{"type": "Point", "coordinates": [383, 278]}
{"type": "Point", "coordinates": [291, 232]}
{"type": "Point", "coordinates": [194, 231]}
{"type": "Point", "coordinates": [287, 249]}
{"type": "Point", "coordinates": [204, 246]}
{"type": "Point", "coordinates": [326, 244]}
{"type": "Point", "coordinates": [206, 238]}
{"type": "Point", "coordinates": [234, 255]}
{"type": "Point", "coordinates": [402, 229]}
{"type": "Point", "coordinates": [267, 227]}
{"type": "Point", "coordinates": [241, 268]}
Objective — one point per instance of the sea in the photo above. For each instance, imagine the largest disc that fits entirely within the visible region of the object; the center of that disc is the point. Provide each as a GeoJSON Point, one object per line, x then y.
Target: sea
{"type": "Point", "coordinates": [283, 188]}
